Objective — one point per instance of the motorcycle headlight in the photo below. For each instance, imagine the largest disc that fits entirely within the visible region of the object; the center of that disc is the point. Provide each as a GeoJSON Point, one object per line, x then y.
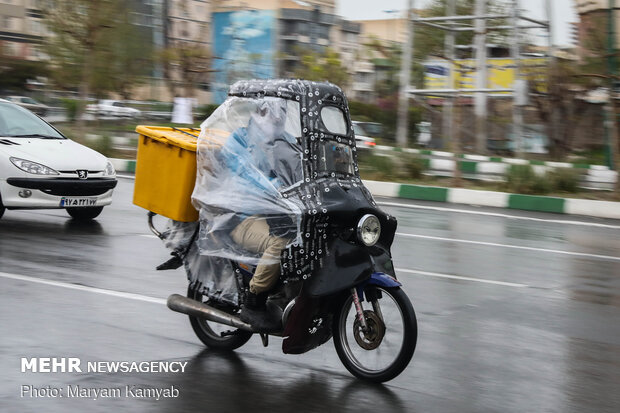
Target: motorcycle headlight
{"type": "Point", "coordinates": [369, 230]}
{"type": "Point", "coordinates": [32, 167]}
{"type": "Point", "coordinates": [109, 170]}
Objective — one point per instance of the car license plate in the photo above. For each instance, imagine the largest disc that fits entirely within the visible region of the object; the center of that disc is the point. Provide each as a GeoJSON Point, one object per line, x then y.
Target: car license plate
{"type": "Point", "coordinates": [77, 201]}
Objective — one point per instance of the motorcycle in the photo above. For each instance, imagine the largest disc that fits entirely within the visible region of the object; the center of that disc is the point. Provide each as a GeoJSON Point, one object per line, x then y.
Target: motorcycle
{"type": "Point", "coordinates": [336, 276]}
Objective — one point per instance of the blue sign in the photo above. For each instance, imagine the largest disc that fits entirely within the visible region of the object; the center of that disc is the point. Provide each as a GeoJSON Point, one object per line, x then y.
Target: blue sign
{"type": "Point", "coordinates": [243, 47]}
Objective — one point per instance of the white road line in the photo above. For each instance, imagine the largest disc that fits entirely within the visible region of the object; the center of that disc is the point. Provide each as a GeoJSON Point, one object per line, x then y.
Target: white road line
{"type": "Point", "coordinates": [497, 214]}
{"type": "Point", "coordinates": [148, 299]}
{"type": "Point", "coordinates": [458, 277]}
{"type": "Point", "coordinates": [492, 244]}
{"type": "Point", "coordinates": [120, 294]}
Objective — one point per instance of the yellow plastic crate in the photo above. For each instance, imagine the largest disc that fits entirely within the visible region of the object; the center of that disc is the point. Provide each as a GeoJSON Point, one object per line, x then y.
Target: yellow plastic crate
{"type": "Point", "coordinates": [166, 171]}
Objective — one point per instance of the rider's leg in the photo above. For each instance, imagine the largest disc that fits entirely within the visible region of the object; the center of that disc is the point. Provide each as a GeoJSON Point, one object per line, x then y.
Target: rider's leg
{"type": "Point", "coordinates": [253, 234]}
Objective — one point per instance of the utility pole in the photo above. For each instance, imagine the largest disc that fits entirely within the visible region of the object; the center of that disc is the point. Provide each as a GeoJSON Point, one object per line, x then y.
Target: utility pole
{"type": "Point", "coordinates": [448, 102]}
{"type": "Point", "coordinates": [612, 71]}
{"type": "Point", "coordinates": [405, 75]}
{"type": "Point", "coordinates": [480, 99]}
{"type": "Point", "coordinates": [517, 113]}
{"type": "Point", "coordinates": [612, 118]}
{"type": "Point", "coordinates": [554, 113]}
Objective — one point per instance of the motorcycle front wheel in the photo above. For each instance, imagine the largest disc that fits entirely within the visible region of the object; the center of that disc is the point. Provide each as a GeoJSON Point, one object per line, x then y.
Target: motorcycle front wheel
{"type": "Point", "coordinates": [384, 349]}
{"type": "Point", "coordinates": [214, 335]}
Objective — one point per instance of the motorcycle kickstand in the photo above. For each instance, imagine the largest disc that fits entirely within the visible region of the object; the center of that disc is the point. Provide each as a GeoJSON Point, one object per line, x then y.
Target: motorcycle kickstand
{"type": "Point", "coordinates": [264, 338]}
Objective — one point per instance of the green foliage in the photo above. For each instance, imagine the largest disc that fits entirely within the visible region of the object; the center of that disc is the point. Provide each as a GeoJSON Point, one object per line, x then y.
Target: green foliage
{"type": "Point", "coordinates": [430, 41]}
{"type": "Point", "coordinates": [386, 115]}
{"type": "Point", "coordinates": [103, 145]}
{"type": "Point", "coordinates": [95, 47]}
{"type": "Point", "coordinates": [522, 179]}
{"type": "Point", "coordinates": [413, 165]}
{"type": "Point", "coordinates": [124, 59]}
{"type": "Point", "coordinates": [377, 167]}
{"type": "Point", "coordinates": [71, 106]}
{"type": "Point", "coordinates": [14, 73]}
{"type": "Point", "coordinates": [206, 110]}
{"type": "Point", "coordinates": [322, 67]}
{"type": "Point", "coordinates": [564, 179]}
{"type": "Point", "coordinates": [185, 66]}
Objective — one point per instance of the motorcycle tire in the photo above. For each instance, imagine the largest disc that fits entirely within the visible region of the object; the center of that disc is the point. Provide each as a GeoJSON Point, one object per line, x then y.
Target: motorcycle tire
{"type": "Point", "coordinates": [350, 348]}
{"type": "Point", "coordinates": [204, 330]}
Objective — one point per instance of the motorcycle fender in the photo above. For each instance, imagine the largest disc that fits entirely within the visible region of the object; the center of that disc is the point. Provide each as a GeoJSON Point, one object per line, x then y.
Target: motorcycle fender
{"type": "Point", "coordinates": [379, 279]}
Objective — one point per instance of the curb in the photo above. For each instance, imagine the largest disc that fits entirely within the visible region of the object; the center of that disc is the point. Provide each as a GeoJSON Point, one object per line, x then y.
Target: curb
{"type": "Point", "coordinates": [123, 165]}
{"type": "Point", "coordinates": [570, 206]}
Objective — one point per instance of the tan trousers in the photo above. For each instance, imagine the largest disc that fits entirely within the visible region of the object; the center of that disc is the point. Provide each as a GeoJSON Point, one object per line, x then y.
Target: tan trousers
{"type": "Point", "coordinates": [253, 235]}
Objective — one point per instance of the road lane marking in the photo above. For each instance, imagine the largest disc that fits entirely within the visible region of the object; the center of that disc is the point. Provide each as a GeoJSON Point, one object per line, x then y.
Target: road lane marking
{"type": "Point", "coordinates": [497, 214]}
{"type": "Point", "coordinates": [459, 277]}
{"type": "Point", "coordinates": [492, 244]}
{"type": "Point", "coordinates": [155, 300]}
{"type": "Point", "coordinates": [131, 296]}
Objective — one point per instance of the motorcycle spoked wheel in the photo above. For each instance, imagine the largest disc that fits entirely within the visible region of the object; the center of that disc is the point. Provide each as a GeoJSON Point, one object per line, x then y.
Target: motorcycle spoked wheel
{"type": "Point", "coordinates": [210, 333]}
{"type": "Point", "coordinates": [385, 350]}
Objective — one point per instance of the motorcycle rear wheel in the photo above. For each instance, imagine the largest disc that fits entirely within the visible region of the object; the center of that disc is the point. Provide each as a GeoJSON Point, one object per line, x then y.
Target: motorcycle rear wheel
{"type": "Point", "coordinates": [386, 349]}
{"type": "Point", "coordinates": [210, 333]}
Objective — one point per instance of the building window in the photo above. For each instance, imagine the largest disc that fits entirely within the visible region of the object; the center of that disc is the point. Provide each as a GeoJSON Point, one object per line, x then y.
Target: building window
{"type": "Point", "coordinates": [36, 27]}
{"type": "Point", "coordinates": [11, 49]}
{"type": "Point", "coordinates": [9, 23]}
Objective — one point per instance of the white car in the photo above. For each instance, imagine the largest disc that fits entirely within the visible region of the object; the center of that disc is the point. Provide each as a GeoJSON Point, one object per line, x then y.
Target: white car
{"type": "Point", "coordinates": [40, 168]}
{"type": "Point", "coordinates": [30, 104]}
{"type": "Point", "coordinates": [109, 107]}
{"type": "Point", "coordinates": [362, 140]}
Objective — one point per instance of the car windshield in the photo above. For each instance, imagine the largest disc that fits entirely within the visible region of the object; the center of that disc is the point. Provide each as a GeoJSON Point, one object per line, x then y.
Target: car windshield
{"type": "Point", "coordinates": [16, 121]}
{"type": "Point", "coordinates": [358, 130]}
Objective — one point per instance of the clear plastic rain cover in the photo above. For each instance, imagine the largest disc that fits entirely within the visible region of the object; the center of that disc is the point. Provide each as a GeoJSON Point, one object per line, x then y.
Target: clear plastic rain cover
{"type": "Point", "coordinates": [248, 156]}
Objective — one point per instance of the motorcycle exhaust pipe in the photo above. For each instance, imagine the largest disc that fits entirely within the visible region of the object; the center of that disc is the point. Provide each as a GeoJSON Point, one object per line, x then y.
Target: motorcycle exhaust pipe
{"type": "Point", "coordinates": [185, 305]}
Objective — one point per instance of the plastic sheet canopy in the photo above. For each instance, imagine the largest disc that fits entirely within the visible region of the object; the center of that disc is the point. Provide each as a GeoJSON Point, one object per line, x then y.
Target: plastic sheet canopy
{"type": "Point", "coordinates": [249, 154]}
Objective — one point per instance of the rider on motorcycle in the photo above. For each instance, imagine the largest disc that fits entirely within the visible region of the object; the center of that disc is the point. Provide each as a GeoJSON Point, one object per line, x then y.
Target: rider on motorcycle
{"type": "Point", "coordinates": [249, 154]}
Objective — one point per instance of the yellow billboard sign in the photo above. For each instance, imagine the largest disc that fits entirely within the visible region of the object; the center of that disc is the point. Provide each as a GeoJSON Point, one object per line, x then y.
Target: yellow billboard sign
{"type": "Point", "coordinates": [501, 73]}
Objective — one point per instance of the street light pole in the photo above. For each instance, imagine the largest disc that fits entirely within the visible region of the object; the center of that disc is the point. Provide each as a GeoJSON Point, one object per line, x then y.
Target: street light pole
{"type": "Point", "coordinates": [480, 99]}
{"type": "Point", "coordinates": [517, 113]}
{"type": "Point", "coordinates": [405, 75]}
{"type": "Point", "coordinates": [448, 102]}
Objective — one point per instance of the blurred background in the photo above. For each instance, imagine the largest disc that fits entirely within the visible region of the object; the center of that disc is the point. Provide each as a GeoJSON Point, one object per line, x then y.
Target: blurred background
{"type": "Point", "coordinates": [84, 65]}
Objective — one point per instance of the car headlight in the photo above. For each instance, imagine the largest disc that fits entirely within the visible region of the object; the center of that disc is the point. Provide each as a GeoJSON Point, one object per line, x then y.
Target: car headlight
{"type": "Point", "coordinates": [109, 170]}
{"type": "Point", "coordinates": [32, 167]}
{"type": "Point", "coordinates": [369, 230]}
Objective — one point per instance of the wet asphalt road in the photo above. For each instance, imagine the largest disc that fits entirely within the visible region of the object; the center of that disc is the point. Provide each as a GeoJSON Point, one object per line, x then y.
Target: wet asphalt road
{"type": "Point", "coordinates": [517, 313]}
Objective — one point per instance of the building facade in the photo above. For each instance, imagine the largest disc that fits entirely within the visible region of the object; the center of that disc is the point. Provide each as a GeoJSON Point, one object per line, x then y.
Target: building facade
{"type": "Point", "coordinates": [593, 17]}
{"type": "Point", "coordinates": [22, 29]}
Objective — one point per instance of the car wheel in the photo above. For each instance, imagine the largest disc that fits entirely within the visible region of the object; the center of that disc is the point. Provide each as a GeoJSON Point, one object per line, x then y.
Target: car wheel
{"type": "Point", "coordinates": [84, 214]}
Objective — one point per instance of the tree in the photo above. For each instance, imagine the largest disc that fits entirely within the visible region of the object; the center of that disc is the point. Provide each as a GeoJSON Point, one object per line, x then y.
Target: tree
{"type": "Point", "coordinates": [125, 59]}
{"type": "Point", "coordinates": [325, 66]}
{"type": "Point", "coordinates": [185, 66]}
{"type": "Point", "coordinates": [90, 46]}
{"type": "Point", "coordinates": [15, 73]}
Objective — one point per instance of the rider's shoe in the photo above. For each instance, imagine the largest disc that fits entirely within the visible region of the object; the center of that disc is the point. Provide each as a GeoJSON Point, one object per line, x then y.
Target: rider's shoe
{"type": "Point", "coordinates": [262, 317]}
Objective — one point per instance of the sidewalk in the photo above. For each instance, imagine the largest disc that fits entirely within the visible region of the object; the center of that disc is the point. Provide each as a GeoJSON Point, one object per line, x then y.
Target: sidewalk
{"type": "Point", "coordinates": [570, 206]}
